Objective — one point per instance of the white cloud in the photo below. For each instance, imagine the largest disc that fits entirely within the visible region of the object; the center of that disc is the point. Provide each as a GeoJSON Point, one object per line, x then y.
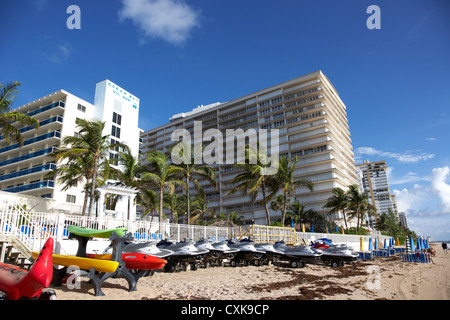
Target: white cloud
{"type": "Point", "coordinates": [406, 157]}
{"type": "Point", "coordinates": [427, 206]}
{"type": "Point", "coordinates": [57, 51]}
{"type": "Point", "coordinates": [441, 187]}
{"type": "Point", "coordinates": [170, 20]}
{"type": "Point", "coordinates": [409, 177]}
{"type": "Point", "coordinates": [431, 139]}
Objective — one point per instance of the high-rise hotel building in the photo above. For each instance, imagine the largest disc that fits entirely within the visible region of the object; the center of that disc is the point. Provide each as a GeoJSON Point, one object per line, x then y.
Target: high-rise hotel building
{"type": "Point", "coordinates": [312, 123]}
{"type": "Point", "coordinates": [373, 179]}
{"type": "Point", "coordinates": [23, 169]}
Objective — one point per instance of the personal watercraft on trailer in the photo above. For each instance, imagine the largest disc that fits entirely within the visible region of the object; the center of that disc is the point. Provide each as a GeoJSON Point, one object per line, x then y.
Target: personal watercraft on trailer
{"type": "Point", "coordinates": [213, 256]}
{"type": "Point", "coordinates": [226, 251]}
{"type": "Point", "coordinates": [297, 256]}
{"type": "Point", "coordinates": [184, 252]}
{"type": "Point", "coordinates": [246, 253]}
{"type": "Point", "coordinates": [269, 250]}
{"type": "Point", "coordinates": [338, 255]}
{"type": "Point", "coordinates": [321, 244]}
{"type": "Point", "coordinates": [149, 248]}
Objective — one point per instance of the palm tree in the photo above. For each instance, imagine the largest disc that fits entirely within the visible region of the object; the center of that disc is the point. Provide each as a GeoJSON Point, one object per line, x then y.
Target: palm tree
{"type": "Point", "coordinates": [357, 203]}
{"type": "Point", "coordinates": [279, 203]}
{"type": "Point", "coordinates": [253, 178]}
{"type": "Point", "coordinates": [176, 204]}
{"type": "Point", "coordinates": [201, 209]}
{"type": "Point", "coordinates": [77, 170]}
{"type": "Point", "coordinates": [285, 181]}
{"type": "Point", "coordinates": [338, 202]}
{"type": "Point", "coordinates": [8, 94]}
{"type": "Point", "coordinates": [148, 200]}
{"type": "Point", "coordinates": [298, 214]}
{"type": "Point", "coordinates": [191, 172]}
{"type": "Point", "coordinates": [130, 169]}
{"type": "Point", "coordinates": [162, 175]}
{"type": "Point", "coordinates": [90, 142]}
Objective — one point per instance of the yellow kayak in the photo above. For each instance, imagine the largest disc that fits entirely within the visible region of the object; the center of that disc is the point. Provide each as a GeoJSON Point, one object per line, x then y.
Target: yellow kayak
{"type": "Point", "coordinates": [83, 263]}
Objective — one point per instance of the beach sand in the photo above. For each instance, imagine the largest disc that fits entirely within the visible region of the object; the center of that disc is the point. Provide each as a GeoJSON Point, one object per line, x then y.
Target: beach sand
{"type": "Point", "coordinates": [379, 279]}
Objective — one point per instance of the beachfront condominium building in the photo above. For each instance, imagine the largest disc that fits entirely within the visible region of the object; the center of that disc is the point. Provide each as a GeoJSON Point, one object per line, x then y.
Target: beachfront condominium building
{"type": "Point", "coordinates": [373, 179]}
{"type": "Point", "coordinates": [24, 169]}
{"type": "Point", "coordinates": [312, 125]}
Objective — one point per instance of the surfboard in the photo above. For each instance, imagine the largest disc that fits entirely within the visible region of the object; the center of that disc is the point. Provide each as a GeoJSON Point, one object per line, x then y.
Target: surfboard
{"type": "Point", "coordinates": [96, 233]}
{"type": "Point", "coordinates": [83, 263]}
{"type": "Point", "coordinates": [138, 261]}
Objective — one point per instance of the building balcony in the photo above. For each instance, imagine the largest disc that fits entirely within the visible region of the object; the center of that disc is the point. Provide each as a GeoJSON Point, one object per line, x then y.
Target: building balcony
{"type": "Point", "coordinates": [57, 104]}
{"type": "Point", "coordinates": [47, 184]}
{"type": "Point", "coordinates": [55, 119]}
{"type": "Point", "coordinates": [53, 134]}
{"type": "Point", "coordinates": [30, 171]}
{"type": "Point", "coordinates": [33, 155]}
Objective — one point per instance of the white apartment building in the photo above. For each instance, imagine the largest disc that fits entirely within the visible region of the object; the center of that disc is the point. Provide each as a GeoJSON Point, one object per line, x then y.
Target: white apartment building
{"type": "Point", "coordinates": [373, 178]}
{"type": "Point", "coordinates": [312, 123]}
{"type": "Point", "coordinates": [23, 169]}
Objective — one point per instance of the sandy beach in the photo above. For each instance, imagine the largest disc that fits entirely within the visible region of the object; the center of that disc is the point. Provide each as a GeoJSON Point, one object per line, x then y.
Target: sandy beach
{"type": "Point", "coordinates": [379, 279]}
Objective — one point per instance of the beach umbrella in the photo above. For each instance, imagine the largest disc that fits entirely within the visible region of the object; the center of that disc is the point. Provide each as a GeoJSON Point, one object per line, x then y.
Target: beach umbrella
{"type": "Point", "coordinates": [385, 244]}
{"type": "Point", "coordinates": [292, 224]}
{"type": "Point", "coordinates": [303, 227]}
{"type": "Point", "coordinates": [376, 243]}
{"type": "Point", "coordinates": [343, 231]}
{"type": "Point", "coordinates": [427, 245]}
{"type": "Point", "coordinates": [361, 244]}
{"type": "Point", "coordinates": [370, 244]}
{"type": "Point", "coordinates": [312, 228]}
{"type": "Point", "coordinates": [411, 240]}
{"type": "Point", "coordinates": [397, 243]}
{"type": "Point", "coordinates": [335, 229]}
{"type": "Point", "coordinates": [418, 243]}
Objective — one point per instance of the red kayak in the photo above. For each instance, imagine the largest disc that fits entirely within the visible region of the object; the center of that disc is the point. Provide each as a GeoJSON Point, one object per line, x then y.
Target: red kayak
{"type": "Point", "coordinates": [137, 261]}
{"type": "Point", "coordinates": [22, 284]}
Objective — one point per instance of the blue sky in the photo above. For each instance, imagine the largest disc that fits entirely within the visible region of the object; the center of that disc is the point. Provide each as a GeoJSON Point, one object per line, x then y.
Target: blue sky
{"type": "Point", "coordinates": [177, 54]}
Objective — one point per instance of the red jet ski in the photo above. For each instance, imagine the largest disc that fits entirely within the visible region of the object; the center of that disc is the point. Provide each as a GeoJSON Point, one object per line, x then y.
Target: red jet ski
{"type": "Point", "coordinates": [22, 284]}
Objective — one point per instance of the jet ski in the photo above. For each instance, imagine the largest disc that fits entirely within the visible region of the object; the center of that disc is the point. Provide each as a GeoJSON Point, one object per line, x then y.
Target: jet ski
{"type": "Point", "coordinates": [149, 248]}
{"type": "Point", "coordinates": [338, 255]}
{"type": "Point", "coordinates": [297, 256]}
{"type": "Point", "coordinates": [268, 248]}
{"type": "Point", "coordinates": [184, 253]}
{"type": "Point", "coordinates": [246, 253]}
{"type": "Point", "coordinates": [321, 244]}
{"type": "Point", "coordinates": [225, 251]}
{"type": "Point", "coordinates": [213, 255]}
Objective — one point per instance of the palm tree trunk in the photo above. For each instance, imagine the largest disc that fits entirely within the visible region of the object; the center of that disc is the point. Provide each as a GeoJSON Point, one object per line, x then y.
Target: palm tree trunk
{"type": "Point", "coordinates": [345, 219]}
{"type": "Point", "coordinates": [265, 204]}
{"type": "Point", "coordinates": [283, 217]}
{"type": "Point", "coordinates": [85, 202]}
{"type": "Point", "coordinates": [161, 192]}
{"type": "Point", "coordinates": [188, 200]}
{"type": "Point", "coordinates": [94, 177]}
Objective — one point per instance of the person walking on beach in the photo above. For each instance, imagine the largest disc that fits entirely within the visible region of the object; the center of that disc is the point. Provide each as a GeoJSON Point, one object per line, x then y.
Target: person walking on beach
{"type": "Point", "coordinates": [444, 246]}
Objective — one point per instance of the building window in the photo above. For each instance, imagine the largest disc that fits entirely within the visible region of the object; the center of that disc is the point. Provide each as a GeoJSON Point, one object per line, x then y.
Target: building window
{"type": "Point", "coordinates": [81, 108]}
{"type": "Point", "coordinates": [114, 159]}
{"type": "Point", "coordinates": [117, 118]}
{"type": "Point", "coordinates": [115, 132]}
{"type": "Point", "coordinates": [70, 198]}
